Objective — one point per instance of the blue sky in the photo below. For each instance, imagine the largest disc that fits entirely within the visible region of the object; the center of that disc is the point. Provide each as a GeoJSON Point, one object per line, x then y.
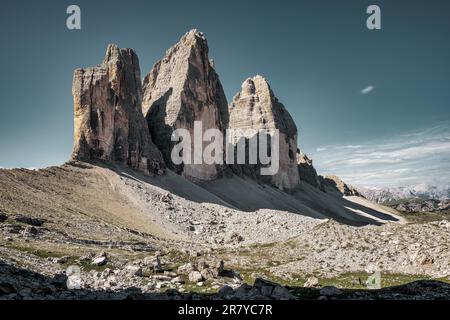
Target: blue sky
{"type": "Point", "coordinates": [343, 84]}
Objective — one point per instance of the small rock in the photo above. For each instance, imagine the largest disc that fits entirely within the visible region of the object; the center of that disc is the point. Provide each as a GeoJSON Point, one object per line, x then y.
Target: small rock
{"type": "Point", "coordinates": [311, 282]}
{"type": "Point", "coordinates": [195, 276]}
{"type": "Point", "coordinates": [105, 273]}
{"type": "Point", "coordinates": [25, 293]}
{"type": "Point", "coordinates": [281, 293]}
{"type": "Point", "coordinates": [28, 220]}
{"type": "Point", "coordinates": [172, 292]}
{"type": "Point", "coordinates": [177, 280]}
{"type": "Point", "coordinates": [242, 292]}
{"type": "Point", "coordinates": [236, 238]}
{"type": "Point", "coordinates": [330, 291]}
{"type": "Point", "coordinates": [444, 224]}
{"type": "Point", "coordinates": [99, 261]}
{"type": "Point", "coordinates": [272, 290]}
{"type": "Point", "coordinates": [208, 273]}
{"type": "Point", "coordinates": [61, 260]}
{"type": "Point", "coordinates": [225, 291]}
{"type": "Point", "coordinates": [161, 278]}
{"type": "Point", "coordinates": [202, 265]}
{"type": "Point", "coordinates": [134, 270]}
{"type": "Point", "coordinates": [30, 231]}
{"type": "Point", "coordinates": [186, 268]}
{"type": "Point", "coordinates": [87, 257]}
{"type": "Point", "coordinates": [170, 274]}
{"type": "Point", "coordinates": [160, 285]}
{"type": "Point", "coordinates": [3, 217]}
{"type": "Point", "coordinates": [167, 197]}
{"type": "Point", "coordinates": [7, 288]}
{"type": "Point", "coordinates": [13, 228]}
{"type": "Point", "coordinates": [220, 267]}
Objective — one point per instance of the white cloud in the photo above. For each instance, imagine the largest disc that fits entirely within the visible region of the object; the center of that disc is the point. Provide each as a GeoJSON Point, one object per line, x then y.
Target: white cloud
{"type": "Point", "coordinates": [367, 90]}
{"type": "Point", "coordinates": [350, 146]}
{"type": "Point", "coordinates": [321, 149]}
{"type": "Point", "coordinates": [392, 161]}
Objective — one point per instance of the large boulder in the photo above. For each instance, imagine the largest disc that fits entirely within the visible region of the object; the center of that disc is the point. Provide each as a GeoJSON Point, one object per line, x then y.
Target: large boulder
{"type": "Point", "coordinates": [181, 89]}
{"type": "Point", "coordinates": [109, 124]}
{"type": "Point", "coordinates": [256, 108]}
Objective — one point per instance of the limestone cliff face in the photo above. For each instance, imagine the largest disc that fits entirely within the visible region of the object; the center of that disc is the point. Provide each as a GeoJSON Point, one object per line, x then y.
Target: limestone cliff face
{"type": "Point", "coordinates": [307, 172]}
{"type": "Point", "coordinates": [257, 108]}
{"type": "Point", "coordinates": [180, 89]}
{"type": "Point", "coordinates": [109, 124]}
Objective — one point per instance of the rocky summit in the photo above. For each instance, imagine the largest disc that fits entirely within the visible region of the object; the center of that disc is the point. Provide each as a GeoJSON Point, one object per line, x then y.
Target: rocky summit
{"type": "Point", "coordinates": [334, 184]}
{"type": "Point", "coordinates": [109, 124]}
{"type": "Point", "coordinates": [182, 88]}
{"type": "Point", "coordinates": [256, 107]}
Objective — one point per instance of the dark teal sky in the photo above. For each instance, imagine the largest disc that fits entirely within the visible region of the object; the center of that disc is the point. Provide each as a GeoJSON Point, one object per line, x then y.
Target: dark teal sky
{"type": "Point", "coordinates": [318, 56]}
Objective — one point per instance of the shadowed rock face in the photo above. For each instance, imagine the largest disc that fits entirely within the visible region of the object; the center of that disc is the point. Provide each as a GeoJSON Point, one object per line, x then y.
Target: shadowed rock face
{"type": "Point", "coordinates": [257, 108]}
{"type": "Point", "coordinates": [306, 170]}
{"type": "Point", "coordinates": [109, 124]}
{"type": "Point", "coordinates": [180, 89]}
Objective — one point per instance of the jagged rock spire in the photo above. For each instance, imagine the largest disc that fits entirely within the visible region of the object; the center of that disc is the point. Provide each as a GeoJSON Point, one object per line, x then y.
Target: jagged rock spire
{"type": "Point", "coordinates": [181, 88]}
{"type": "Point", "coordinates": [257, 108]}
{"type": "Point", "coordinates": [109, 124]}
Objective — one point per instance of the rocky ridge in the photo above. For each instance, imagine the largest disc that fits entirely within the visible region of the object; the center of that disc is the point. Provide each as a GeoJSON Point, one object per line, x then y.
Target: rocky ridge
{"type": "Point", "coordinates": [334, 184]}
{"type": "Point", "coordinates": [307, 172]}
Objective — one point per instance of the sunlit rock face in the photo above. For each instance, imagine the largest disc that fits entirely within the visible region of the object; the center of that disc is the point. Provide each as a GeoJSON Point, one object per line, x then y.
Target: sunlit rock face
{"type": "Point", "coordinates": [257, 108]}
{"type": "Point", "coordinates": [109, 124]}
{"type": "Point", "coordinates": [181, 89]}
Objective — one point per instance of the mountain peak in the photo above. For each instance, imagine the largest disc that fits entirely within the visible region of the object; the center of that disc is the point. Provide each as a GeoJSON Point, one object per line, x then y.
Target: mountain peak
{"type": "Point", "coordinates": [256, 95]}
{"type": "Point", "coordinates": [194, 33]}
{"type": "Point", "coordinates": [255, 107]}
{"type": "Point", "coordinates": [180, 89]}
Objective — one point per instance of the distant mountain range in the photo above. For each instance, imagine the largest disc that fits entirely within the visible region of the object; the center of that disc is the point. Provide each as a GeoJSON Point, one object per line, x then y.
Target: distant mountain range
{"type": "Point", "coordinates": [417, 198]}
{"type": "Point", "coordinates": [421, 191]}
